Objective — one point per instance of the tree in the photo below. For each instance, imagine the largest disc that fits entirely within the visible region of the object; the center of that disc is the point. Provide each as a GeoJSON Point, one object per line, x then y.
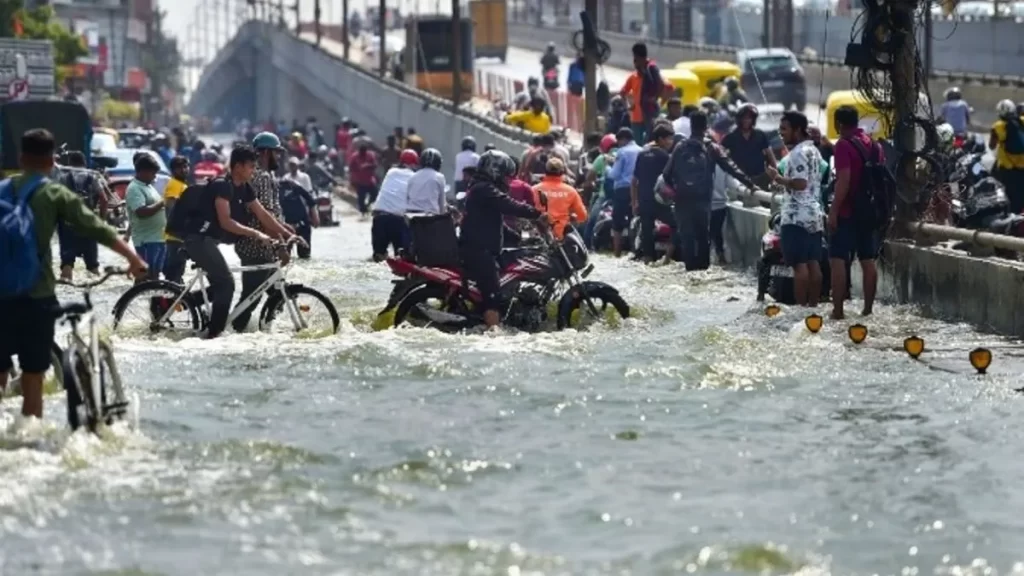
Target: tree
{"type": "Point", "coordinates": [39, 24]}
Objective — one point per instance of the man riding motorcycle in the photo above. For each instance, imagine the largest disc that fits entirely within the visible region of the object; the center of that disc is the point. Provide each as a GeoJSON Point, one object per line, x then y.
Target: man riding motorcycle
{"type": "Point", "coordinates": [733, 96]}
{"type": "Point", "coordinates": [481, 233]}
{"type": "Point", "coordinates": [549, 59]}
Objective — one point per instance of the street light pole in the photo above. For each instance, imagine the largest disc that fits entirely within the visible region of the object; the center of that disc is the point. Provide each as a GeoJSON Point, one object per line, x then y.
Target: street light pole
{"type": "Point", "coordinates": [456, 54]}
{"type": "Point", "coordinates": [344, 28]}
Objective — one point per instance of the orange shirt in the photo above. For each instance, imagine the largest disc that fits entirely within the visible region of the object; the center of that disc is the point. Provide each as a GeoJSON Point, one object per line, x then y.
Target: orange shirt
{"type": "Point", "coordinates": [631, 89]}
{"type": "Point", "coordinates": [563, 201]}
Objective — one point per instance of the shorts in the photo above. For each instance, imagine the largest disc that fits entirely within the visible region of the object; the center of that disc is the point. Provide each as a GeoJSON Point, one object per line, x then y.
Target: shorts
{"type": "Point", "coordinates": [622, 209]}
{"type": "Point", "coordinates": [850, 238]}
{"type": "Point", "coordinates": [154, 254]}
{"type": "Point", "coordinates": [28, 333]}
{"type": "Point", "coordinates": [388, 230]}
{"type": "Point", "coordinates": [800, 246]}
{"type": "Point", "coordinates": [481, 267]}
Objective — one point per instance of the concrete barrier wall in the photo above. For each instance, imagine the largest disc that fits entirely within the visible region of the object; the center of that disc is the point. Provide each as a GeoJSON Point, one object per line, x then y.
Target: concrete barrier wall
{"type": "Point", "coordinates": [831, 77]}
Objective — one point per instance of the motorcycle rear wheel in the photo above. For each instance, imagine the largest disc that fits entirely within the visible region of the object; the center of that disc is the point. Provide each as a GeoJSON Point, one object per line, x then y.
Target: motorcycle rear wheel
{"type": "Point", "coordinates": [431, 295]}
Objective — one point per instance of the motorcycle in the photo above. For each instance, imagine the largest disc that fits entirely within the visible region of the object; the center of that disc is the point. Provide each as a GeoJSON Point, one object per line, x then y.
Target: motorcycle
{"type": "Point", "coordinates": [602, 236]}
{"type": "Point", "coordinates": [435, 293]}
{"type": "Point", "coordinates": [980, 202]}
{"type": "Point", "coordinates": [551, 79]}
{"type": "Point", "coordinates": [775, 278]}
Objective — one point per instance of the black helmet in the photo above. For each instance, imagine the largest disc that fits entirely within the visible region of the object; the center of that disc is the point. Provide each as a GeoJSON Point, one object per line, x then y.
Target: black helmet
{"type": "Point", "coordinates": [495, 167]}
{"type": "Point", "coordinates": [469, 143]}
{"type": "Point", "coordinates": [490, 146]}
{"type": "Point", "coordinates": [732, 83]}
{"type": "Point", "coordinates": [431, 158]}
{"type": "Point", "coordinates": [747, 108]}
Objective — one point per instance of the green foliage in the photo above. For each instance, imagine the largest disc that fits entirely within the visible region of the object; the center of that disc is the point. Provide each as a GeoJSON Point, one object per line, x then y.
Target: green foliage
{"type": "Point", "coordinates": [40, 24]}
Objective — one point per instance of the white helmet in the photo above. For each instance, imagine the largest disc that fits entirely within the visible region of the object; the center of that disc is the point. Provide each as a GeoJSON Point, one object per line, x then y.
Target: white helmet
{"type": "Point", "coordinates": [945, 136]}
{"type": "Point", "coordinates": [1006, 108]}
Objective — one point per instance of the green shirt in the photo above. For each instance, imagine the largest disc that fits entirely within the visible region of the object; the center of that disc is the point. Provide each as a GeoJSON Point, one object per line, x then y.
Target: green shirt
{"type": "Point", "coordinates": [599, 167]}
{"type": "Point", "coordinates": [145, 229]}
{"type": "Point", "coordinates": [53, 203]}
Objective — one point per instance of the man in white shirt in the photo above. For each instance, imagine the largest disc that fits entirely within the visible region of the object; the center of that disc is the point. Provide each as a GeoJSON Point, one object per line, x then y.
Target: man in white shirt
{"type": "Point", "coordinates": [389, 227]}
{"type": "Point", "coordinates": [298, 176]}
{"type": "Point", "coordinates": [425, 191]}
{"type": "Point", "coordinates": [681, 125]}
{"type": "Point", "coordinates": [467, 158]}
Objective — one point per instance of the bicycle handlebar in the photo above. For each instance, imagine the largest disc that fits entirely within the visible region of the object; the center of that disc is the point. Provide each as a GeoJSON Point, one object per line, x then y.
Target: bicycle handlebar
{"type": "Point", "coordinates": [108, 273]}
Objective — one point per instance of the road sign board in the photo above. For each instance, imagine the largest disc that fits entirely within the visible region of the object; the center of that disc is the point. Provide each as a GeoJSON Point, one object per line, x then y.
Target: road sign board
{"type": "Point", "coordinates": [18, 90]}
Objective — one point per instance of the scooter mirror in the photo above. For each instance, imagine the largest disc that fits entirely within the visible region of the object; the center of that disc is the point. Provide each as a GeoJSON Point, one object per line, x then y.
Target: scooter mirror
{"type": "Point", "coordinates": [460, 196]}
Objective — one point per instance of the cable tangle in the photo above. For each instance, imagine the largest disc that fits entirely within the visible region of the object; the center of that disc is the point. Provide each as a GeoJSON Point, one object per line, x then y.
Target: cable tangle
{"type": "Point", "coordinates": [923, 164]}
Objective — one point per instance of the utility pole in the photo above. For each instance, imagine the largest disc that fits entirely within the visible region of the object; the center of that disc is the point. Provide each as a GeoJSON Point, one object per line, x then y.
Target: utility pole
{"type": "Point", "coordinates": [927, 43]}
{"type": "Point", "coordinates": [344, 28]}
{"type": "Point", "coordinates": [590, 72]}
{"type": "Point", "coordinates": [316, 21]}
{"type": "Point", "coordinates": [904, 81]}
{"type": "Point", "coordinates": [382, 29]}
{"type": "Point", "coordinates": [298, 19]}
{"type": "Point", "coordinates": [456, 54]}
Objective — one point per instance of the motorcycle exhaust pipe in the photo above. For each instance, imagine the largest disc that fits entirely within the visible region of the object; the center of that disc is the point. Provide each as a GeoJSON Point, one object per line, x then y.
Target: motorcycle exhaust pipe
{"type": "Point", "coordinates": [443, 318]}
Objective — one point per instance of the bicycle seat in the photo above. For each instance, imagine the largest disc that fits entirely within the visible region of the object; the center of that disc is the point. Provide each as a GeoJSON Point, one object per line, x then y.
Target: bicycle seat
{"type": "Point", "coordinates": [72, 309]}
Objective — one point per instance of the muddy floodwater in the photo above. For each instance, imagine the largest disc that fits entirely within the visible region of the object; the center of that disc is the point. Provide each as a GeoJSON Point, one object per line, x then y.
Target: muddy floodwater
{"type": "Point", "coordinates": [699, 436]}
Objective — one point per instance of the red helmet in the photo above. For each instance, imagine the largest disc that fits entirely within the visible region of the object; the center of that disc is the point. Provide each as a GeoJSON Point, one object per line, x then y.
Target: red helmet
{"type": "Point", "coordinates": [607, 143]}
{"type": "Point", "coordinates": [409, 158]}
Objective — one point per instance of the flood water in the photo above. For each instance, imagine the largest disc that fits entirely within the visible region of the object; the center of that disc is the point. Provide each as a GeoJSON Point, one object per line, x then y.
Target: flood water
{"type": "Point", "coordinates": [698, 437]}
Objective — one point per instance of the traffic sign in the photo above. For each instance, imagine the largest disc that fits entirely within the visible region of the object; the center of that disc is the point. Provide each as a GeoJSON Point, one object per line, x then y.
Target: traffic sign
{"type": "Point", "coordinates": [18, 89]}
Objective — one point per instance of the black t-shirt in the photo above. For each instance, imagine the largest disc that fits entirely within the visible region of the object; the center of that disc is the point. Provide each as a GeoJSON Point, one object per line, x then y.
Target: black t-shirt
{"type": "Point", "coordinates": [204, 220]}
{"type": "Point", "coordinates": [747, 153]}
{"type": "Point", "coordinates": [296, 202]}
{"type": "Point", "coordinates": [649, 165]}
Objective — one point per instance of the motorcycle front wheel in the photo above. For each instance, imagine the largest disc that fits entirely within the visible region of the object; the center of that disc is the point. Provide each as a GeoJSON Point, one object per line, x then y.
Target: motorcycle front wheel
{"type": "Point", "coordinates": [575, 312]}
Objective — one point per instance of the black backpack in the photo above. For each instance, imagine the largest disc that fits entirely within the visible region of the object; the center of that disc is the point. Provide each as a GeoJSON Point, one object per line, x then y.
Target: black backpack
{"type": "Point", "coordinates": [186, 208]}
{"type": "Point", "coordinates": [81, 182]}
{"type": "Point", "coordinates": [692, 170]}
{"type": "Point", "coordinates": [874, 203]}
{"type": "Point", "coordinates": [1014, 143]}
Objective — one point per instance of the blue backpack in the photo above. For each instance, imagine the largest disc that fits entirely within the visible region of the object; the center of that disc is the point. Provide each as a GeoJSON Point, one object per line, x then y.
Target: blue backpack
{"type": "Point", "coordinates": [20, 267]}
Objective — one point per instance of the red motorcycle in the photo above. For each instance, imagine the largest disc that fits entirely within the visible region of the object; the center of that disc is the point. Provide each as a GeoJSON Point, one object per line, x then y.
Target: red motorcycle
{"type": "Point", "coordinates": [433, 292]}
{"type": "Point", "coordinates": [551, 79]}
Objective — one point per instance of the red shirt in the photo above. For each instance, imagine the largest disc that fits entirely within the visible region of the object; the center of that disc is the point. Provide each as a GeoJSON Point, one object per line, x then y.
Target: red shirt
{"type": "Point", "coordinates": [847, 157]}
{"type": "Point", "coordinates": [342, 139]}
{"type": "Point", "coordinates": [210, 170]}
{"type": "Point", "coordinates": [520, 192]}
{"type": "Point", "coordinates": [362, 169]}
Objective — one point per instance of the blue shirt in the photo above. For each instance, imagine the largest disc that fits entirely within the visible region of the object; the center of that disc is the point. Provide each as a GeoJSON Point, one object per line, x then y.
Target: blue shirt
{"type": "Point", "coordinates": [621, 172]}
{"type": "Point", "coordinates": [955, 113]}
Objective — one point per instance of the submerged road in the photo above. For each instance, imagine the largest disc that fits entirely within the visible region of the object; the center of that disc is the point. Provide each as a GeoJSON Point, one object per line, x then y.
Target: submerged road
{"type": "Point", "coordinates": [698, 436]}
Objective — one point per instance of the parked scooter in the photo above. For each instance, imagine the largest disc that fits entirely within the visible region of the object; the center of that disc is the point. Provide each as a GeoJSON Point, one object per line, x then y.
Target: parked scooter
{"type": "Point", "coordinates": [775, 278]}
{"type": "Point", "coordinates": [980, 203]}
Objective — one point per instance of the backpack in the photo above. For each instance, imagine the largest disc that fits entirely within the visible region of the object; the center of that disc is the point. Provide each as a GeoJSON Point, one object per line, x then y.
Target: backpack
{"type": "Point", "coordinates": [81, 186]}
{"type": "Point", "coordinates": [1014, 137]}
{"type": "Point", "coordinates": [185, 208]}
{"type": "Point", "coordinates": [873, 204]}
{"type": "Point", "coordinates": [20, 267]}
{"type": "Point", "coordinates": [692, 170]}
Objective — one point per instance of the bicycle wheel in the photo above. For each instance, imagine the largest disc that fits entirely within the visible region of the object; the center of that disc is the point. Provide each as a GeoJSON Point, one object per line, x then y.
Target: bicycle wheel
{"type": "Point", "coordinates": [316, 311]}
{"type": "Point", "coordinates": [78, 384]}
{"type": "Point", "coordinates": [152, 300]}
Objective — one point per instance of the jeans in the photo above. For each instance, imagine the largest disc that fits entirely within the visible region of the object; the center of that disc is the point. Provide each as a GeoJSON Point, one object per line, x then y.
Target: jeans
{"type": "Point", "coordinates": [74, 246]}
{"type": "Point", "coordinates": [717, 224]}
{"type": "Point", "coordinates": [174, 265]}
{"type": "Point", "coordinates": [650, 213]}
{"type": "Point", "coordinates": [364, 197]}
{"type": "Point", "coordinates": [205, 252]}
{"type": "Point", "coordinates": [154, 254]}
{"type": "Point", "coordinates": [692, 219]}
{"type": "Point", "coordinates": [251, 280]}
{"type": "Point", "coordinates": [305, 231]}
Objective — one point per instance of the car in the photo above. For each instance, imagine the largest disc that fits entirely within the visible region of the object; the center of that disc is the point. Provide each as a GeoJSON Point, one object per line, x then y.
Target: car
{"type": "Point", "coordinates": [122, 174]}
{"type": "Point", "coordinates": [777, 73]}
{"type": "Point", "coordinates": [133, 138]}
{"type": "Point", "coordinates": [103, 144]}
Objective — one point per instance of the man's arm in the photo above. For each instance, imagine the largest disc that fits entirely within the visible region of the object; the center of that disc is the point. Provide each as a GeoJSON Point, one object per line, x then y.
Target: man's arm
{"type": "Point", "coordinates": [730, 167]}
{"type": "Point", "coordinates": [136, 200]}
{"type": "Point", "coordinates": [228, 224]}
{"type": "Point", "coordinates": [267, 220]}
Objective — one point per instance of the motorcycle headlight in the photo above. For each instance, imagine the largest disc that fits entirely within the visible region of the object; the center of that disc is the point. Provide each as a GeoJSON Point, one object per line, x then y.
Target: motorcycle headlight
{"type": "Point", "coordinates": [576, 250]}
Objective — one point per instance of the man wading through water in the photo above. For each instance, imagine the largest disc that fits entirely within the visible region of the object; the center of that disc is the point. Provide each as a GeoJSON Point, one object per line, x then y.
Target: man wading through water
{"type": "Point", "coordinates": [748, 146]}
{"type": "Point", "coordinates": [690, 172]}
{"type": "Point", "coordinates": [253, 251]}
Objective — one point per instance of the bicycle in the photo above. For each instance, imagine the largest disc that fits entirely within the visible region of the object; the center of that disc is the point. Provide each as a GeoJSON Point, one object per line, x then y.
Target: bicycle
{"type": "Point", "coordinates": [164, 299]}
{"type": "Point", "coordinates": [89, 360]}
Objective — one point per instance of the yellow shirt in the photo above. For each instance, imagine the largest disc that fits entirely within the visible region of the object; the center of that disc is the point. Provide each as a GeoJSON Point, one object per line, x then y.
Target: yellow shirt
{"type": "Point", "coordinates": [536, 123]}
{"type": "Point", "coordinates": [173, 191]}
{"type": "Point", "coordinates": [1003, 158]}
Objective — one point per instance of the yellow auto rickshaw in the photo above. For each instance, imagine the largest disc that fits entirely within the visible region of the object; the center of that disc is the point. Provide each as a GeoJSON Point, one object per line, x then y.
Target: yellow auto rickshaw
{"type": "Point", "coordinates": [711, 74]}
{"type": "Point", "coordinates": [686, 84]}
{"type": "Point", "coordinates": [870, 120]}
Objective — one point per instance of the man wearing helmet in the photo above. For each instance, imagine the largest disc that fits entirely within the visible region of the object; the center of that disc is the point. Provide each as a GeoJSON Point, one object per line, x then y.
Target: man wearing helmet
{"type": "Point", "coordinates": [389, 228]}
{"type": "Point", "coordinates": [425, 191]}
{"type": "Point", "coordinates": [467, 158]}
{"type": "Point", "coordinates": [748, 146]}
{"type": "Point", "coordinates": [549, 59]}
{"type": "Point", "coordinates": [481, 233]}
{"type": "Point", "coordinates": [253, 251]}
{"type": "Point", "coordinates": [734, 95]}
{"type": "Point", "coordinates": [1007, 139]}
{"type": "Point", "coordinates": [956, 112]}
{"type": "Point", "coordinates": [603, 186]}
{"type": "Point", "coordinates": [524, 99]}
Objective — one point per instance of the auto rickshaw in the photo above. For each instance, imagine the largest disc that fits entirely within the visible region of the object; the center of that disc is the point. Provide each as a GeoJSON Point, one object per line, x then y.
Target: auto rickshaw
{"type": "Point", "coordinates": [69, 123]}
{"type": "Point", "coordinates": [711, 74]}
{"type": "Point", "coordinates": [870, 119]}
{"type": "Point", "coordinates": [685, 84]}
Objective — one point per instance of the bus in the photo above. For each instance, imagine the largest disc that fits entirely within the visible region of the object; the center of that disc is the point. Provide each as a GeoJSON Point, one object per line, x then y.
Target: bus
{"type": "Point", "coordinates": [428, 55]}
{"type": "Point", "coordinates": [69, 123]}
